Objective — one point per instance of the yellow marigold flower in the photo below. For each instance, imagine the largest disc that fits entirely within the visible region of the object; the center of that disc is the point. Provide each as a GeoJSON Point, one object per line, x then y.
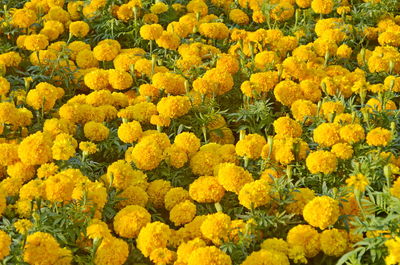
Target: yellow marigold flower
{"type": "Point", "coordinates": [265, 257]}
{"type": "Point", "coordinates": [5, 243]}
{"type": "Point", "coordinates": [151, 32]}
{"type": "Point", "coordinates": [206, 189]}
{"type": "Point", "coordinates": [44, 96]}
{"type": "Point", "coordinates": [358, 182]}
{"type": "Point", "coordinates": [266, 59]}
{"type": "Point", "coordinates": [186, 248]}
{"type": "Point", "coordinates": [255, 194]}
{"type": "Point", "coordinates": [43, 248]}
{"type": "Point", "coordinates": [182, 213]}
{"type": "Point", "coordinates": [35, 149]}
{"type": "Point", "coordinates": [331, 108]}
{"type": "Point", "coordinates": [124, 61]}
{"type": "Point", "coordinates": [129, 221]}
{"type": "Point", "coordinates": [97, 79]}
{"type": "Point", "coordinates": [10, 59]}
{"type": "Point", "coordinates": [146, 155]}
{"type": "Point", "coordinates": [112, 251]}
{"type": "Point", "coordinates": [321, 212]}
{"type": "Point", "coordinates": [175, 196]}
{"type": "Point", "coordinates": [169, 82]}
{"type": "Point", "coordinates": [326, 134]}
{"type": "Point", "coordinates": [228, 63]}
{"type": "Point", "coordinates": [239, 17]}
{"type": "Point", "coordinates": [391, 82]}
{"type": "Point", "coordinates": [352, 133]}
{"type": "Point", "coordinates": [120, 174]}
{"type": "Point", "coordinates": [133, 195]}
{"type": "Point", "coordinates": [209, 255]}
{"type": "Point", "coordinates": [11, 186]}
{"type": "Point", "coordinates": [216, 30]}
{"type": "Point", "coordinates": [79, 29]}
{"type": "Point", "coordinates": [322, 6]}
{"type": "Point", "coordinates": [173, 106]}
{"type": "Point", "coordinates": [160, 120]}
{"type": "Point", "coordinates": [148, 90]}
{"type": "Point", "coordinates": [175, 156]}
{"type": "Point", "coordinates": [188, 142]}
{"type": "Point", "coordinates": [282, 11]}
{"type": "Point", "coordinates": [97, 229]}
{"type": "Point", "coordinates": [4, 86]}
{"type": "Point", "coordinates": [393, 246]}
{"type": "Point", "coordinates": [162, 256]}
{"type": "Point", "coordinates": [310, 90]}
{"type": "Point", "coordinates": [379, 137]}
{"type": "Point", "coordinates": [150, 18]}
{"type": "Point", "coordinates": [8, 113]}
{"type": "Point", "coordinates": [287, 92]}
{"type": "Point", "coordinates": [88, 147]}
{"type": "Point", "coordinates": [157, 191]}
{"type": "Point", "coordinates": [85, 59]}
{"type": "Point", "coordinates": [125, 12]}
{"type": "Point", "coordinates": [179, 28]}
{"type": "Point", "coordinates": [304, 3]}
{"type": "Point", "coordinates": [64, 147]}
{"type": "Point", "coordinates": [303, 110]}
{"type": "Point", "coordinates": [264, 81]}
{"type": "Point", "coordinates": [197, 6]}
{"type": "Point", "coordinates": [233, 177]}
{"type": "Point", "coordinates": [306, 237]}
{"type": "Point", "coordinates": [47, 170]}
{"type": "Point", "coordinates": [286, 127]}
{"type": "Point", "coordinates": [275, 244]}
{"type": "Point", "coordinates": [36, 42]}
{"type": "Point", "coordinates": [342, 150]}
{"type": "Point", "coordinates": [344, 51]}
{"type": "Point", "coordinates": [159, 8]}
{"type": "Point", "coordinates": [321, 162]}
{"type": "Point", "coordinates": [59, 188]}
{"type": "Point", "coordinates": [56, 126]}
{"type": "Point", "coordinates": [23, 18]}
{"type": "Point", "coordinates": [20, 170]}
{"type": "Point", "coordinates": [33, 189]}
{"type": "Point", "coordinates": [95, 131]}
{"type": "Point", "coordinates": [203, 162]}
{"type": "Point", "coordinates": [106, 50]}
{"type": "Point", "coordinates": [140, 112]}
{"type": "Point", "coordinates": [130, 132]}
{"type": "Point", "coordinates": [119, 80]}
{"type": "Point", "coordinates": [216, 227]}
{"type": "Point", "coordinates": [395, 189]}
{"type": "Point", "coordinates": [334, 242]}
{"type": "Point", "coordinates": [153, 236]}
{"type": "Point", "coordinates": [168, 40]}
{"type": "Point", "coordinates": [251, 146]}
{"type": "Point", "coordinates": [22, 226]}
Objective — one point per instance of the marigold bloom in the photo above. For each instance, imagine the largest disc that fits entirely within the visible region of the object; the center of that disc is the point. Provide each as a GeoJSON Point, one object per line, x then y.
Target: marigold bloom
{"type": "Point", "coordinates": [153, 236]}
{"type": "Point", "coordinates": [306, 237]}
{"type": "Point", "coordinates": [129, 221]}
{"type": "Point", "coordinates": [206, 189]}
{"type": "Point", "coordinates": [334, 242]}
{"type": "Point", "coordinates": [358, 182]}
{"type": "Point", "coordinates": [321, 162]}
{"type": "Point", "coordinates": [321, 212]}
{"type": "Point", "coordinates": [379, 137]}
{"type": "Point", "coordinates": [255, 194]}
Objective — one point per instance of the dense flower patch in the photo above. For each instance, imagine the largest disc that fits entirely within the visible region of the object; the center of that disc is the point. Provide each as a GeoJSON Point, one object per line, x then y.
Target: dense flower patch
{"type": "Point", "coordinates": [221, 132]}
